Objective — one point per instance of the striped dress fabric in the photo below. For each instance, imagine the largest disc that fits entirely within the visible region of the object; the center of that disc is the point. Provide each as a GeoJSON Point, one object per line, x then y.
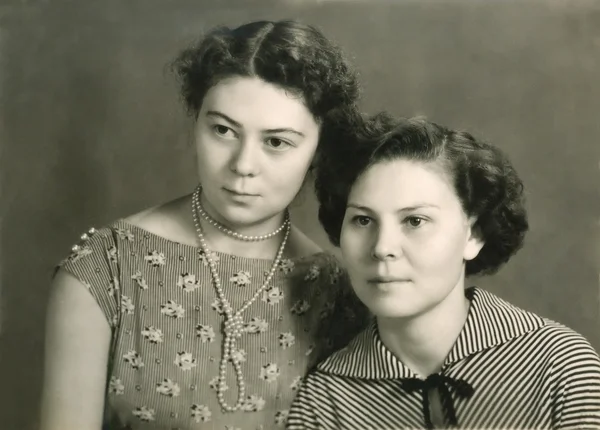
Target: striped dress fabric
{"type": "Point", "coordinates": [509, 369]}
{"type": "Point", "coordinates": [159, 299]}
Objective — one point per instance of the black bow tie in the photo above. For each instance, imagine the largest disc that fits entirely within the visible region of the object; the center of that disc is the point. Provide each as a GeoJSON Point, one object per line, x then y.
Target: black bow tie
{"type": "Point", "coordinates": [442, 383]}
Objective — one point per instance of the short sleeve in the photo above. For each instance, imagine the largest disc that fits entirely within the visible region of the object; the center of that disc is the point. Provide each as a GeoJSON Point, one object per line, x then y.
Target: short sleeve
{"type": "Point", "coordinates": [576, 388]}
{"type": "Point", "coordinates": [94, 262]}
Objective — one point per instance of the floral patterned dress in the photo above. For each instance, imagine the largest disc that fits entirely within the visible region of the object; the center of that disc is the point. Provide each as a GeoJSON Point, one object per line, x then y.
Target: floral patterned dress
{"type": "Point", "coordinates": [166, 321]}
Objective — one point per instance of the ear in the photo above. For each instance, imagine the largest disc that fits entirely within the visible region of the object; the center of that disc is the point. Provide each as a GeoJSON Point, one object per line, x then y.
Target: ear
{"type": "Point", "coordinates": [474, 241]}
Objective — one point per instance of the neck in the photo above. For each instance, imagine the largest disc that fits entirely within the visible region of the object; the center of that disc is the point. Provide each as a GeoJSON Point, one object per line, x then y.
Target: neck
{"type": "Point", "coordinates": [218, 240]}
{"type": "Point", "coordinates": [423, 342]}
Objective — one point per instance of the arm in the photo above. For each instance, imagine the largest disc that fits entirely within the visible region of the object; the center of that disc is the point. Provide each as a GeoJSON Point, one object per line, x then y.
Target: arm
{"type": "Point", "coordinates": [576, 398]}
{"type": "Point", "coordinates": [77, 346]}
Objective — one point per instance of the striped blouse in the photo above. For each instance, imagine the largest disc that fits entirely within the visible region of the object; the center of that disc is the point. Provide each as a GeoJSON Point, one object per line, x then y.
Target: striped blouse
{"type": "Point", "coordinates": [508, 369]}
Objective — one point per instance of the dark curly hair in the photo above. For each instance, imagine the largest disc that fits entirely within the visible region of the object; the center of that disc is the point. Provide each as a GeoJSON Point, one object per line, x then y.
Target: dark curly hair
{"type": "Point", "coordinates": [294, 56]}
{"type": "Point", "coordinates": [485, 181]}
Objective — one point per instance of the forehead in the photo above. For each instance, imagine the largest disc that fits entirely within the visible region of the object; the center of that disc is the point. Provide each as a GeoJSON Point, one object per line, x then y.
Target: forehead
{"type": "Point", "coordinates": [254, 102]}
{"type": "Point", "coordinates": [403, 183]}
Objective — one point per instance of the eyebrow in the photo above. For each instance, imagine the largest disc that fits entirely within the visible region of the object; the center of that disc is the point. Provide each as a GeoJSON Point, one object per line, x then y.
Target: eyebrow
{"type": "Point", "coordinates": [218, 114]}
{"type": "Point", "coordinates": [405, 209]}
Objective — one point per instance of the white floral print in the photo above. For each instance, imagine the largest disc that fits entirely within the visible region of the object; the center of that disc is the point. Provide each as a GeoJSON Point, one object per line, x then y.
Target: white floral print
{"type": "Point", "coordinates": [188, 282]}
{"type": "Point", "coordinates": [127, 306]}
{"type": "Point", "coordinates": [112, 254]}
{"type": "Point", "coordinates": [269, 372]}
{"type": "Point", "coordinates": [313, 273]}
{"type": "Point", "coordinates": [217, 306]}
{"type": "Point", "coordinates": [256, 325]}
{"type": "Point", "coordinates": [139, 280]}
{"type": "Point", "coordinates": [241, 279]}
{"type": "Point", "coordinates": [185, 360]}
{"type": "Point", "coordinates": [172, 309]}
{"type": "Point", "coordinates": [300, 307]}
{"type": "Point", "coordinates": [238, 356]}
{"type": "Point", "coordinates": [115, 386]}
{"type": "Point", "coordinates": [168, 388]}
{"type": "Point", "coordinates": [153, 335]}
{"type": "Point", "coordinates": [125, 234]}
{"type": "Point", "coordinates": [205, 332]}
{"type": "Point", "coordinates": [281, 416]}
{"type": "Point", "coordinates": [272, 296]}
{"type": "Point", "coordinates": [286, 265]}
{"type": "Point", "coordinates": [144, 413]}
{"type": "Point", "coordinates": [201, 413]}
{"type": "Point", "coordinates": [156, 258]}
{"type": "Point", "coordinates": [79, 252]}
{"type": "Point", "coordinates": [134, 359]}
{"type": "Point", "coordinates": [253, 403]}
{"type": "Point", "coordinates": [296, 383]}
{"type": "Point", "coordinates": [286, 340]}
{"type": "Point", "coordinates": [214, 384]}
{"type": "Point", "coordinates": [213, 256]}
{"type": "Point", "coordinates": [113, 286]}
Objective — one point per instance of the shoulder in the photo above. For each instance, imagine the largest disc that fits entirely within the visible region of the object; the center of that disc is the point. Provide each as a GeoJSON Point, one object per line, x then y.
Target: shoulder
{"type": "Point", "coordinates": [170, 220]}
{"type": "Point", "coordinates": [300, 245]}
{"type": "Point", "coordinates": [564, 342]}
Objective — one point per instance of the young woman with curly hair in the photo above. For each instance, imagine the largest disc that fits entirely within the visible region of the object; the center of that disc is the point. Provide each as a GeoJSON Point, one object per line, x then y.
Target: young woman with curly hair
{"type": "Point", "coordinates": [415, 208]}
{"type": "Point", "coordinates": [204, 312]}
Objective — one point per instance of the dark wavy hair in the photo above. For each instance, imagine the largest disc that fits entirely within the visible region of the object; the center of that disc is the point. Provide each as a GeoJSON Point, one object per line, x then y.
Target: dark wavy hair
{"type": "Point", "coordinates": [484, 179]}
{"type": "Point", "coordinates": [294, 56]}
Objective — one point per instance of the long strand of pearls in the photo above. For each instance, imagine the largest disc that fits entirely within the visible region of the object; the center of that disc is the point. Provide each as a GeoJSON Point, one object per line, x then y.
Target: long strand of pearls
{"type": "Point", "coordinates": [233, 323]}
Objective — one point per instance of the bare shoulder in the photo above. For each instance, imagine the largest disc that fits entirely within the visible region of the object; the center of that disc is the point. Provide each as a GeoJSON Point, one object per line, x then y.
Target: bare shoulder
{"type": "Point", "coordinates": [300, 245]}
{"type": "Point", "coordinates": [168, 220]}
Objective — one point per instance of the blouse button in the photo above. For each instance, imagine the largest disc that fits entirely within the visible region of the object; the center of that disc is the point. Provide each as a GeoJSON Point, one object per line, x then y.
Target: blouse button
{"type": "Point", "coordinates": [193, 387]}
{"type": "Point", "coordinates": [266, 273]}
{"type": "Point", "coordinates": [173, 415]}
{"type": "Point", "coordinates": [197, 308]}
{"type": "Point", "coordinates": [211, 358]}
{"type": "Point", "coordinates": [291, 362]}
{"type": "Point", "coordinates": [144, 307]}
{"type": "Point", "coordinates": [138, 387]}
{"type": "Point", "coordinates": [306, 329]}
{"type": "Point", "coordinates": [146, 236]}
{"type": "Point", "coordinates": [97, 270]}
{"type": "Point", "coordinates": [127, 331]}
{"type": "Point", "coordinates": [263, 349]}
{"type": "Point", "coordinates": [181, 258]}
{"type": "Point", "coordinates": [280, 318]}
{"type": "Point", "coordinates": [157, 361]}
{"type": "Point", "coordinates": [161, 283]}
{"type": "Point", "coordinates": [278, 396]}
{"type": "Point", "coordinates": [178, 335]}
{"type": "Point", "coordinates": [233, 257]}
{"type": "Point", "coordinates": [132, 254]}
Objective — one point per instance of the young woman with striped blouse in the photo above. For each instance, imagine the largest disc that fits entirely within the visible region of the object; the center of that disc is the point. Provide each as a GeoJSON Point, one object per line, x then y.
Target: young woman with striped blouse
{"type": "Point", "coordinates": [415, 208]}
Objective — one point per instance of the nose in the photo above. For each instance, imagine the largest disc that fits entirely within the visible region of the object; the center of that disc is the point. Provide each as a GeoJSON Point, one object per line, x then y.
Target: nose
{"type": "Point", "coordinates": [386, 246]}
{"type": "Point", "coordinates": [244, 161]}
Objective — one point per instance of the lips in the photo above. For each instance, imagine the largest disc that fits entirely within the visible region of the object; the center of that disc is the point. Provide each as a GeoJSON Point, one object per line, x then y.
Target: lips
{"type": "Point", "coordinates": [386, 279]}
{"type": "Point", "coordinates": [239, 193]}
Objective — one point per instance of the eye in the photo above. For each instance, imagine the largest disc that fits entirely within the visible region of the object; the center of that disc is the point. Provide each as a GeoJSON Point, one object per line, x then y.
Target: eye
{"type": "Point", "coordinates": [361, 220]}
{"type": "Point", "coordinates": [278, 144]}
{"type": "Point", "coordinates": [223, 130]}
{"type": "Point", "coordinates": [414, 221]}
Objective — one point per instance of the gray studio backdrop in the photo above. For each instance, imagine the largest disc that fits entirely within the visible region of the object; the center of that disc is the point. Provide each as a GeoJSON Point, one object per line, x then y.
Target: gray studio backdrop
{"type": "Point", "coordinates": [93, 130]}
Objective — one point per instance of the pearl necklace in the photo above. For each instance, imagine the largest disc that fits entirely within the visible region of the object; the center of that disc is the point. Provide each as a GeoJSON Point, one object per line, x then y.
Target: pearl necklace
{"type": "Point", "coordinates": [235, 234]}
{"type": "Point", "coordinates": [233, 323]}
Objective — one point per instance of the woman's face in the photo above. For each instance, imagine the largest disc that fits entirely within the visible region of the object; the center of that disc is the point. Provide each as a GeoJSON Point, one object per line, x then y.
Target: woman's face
{"type": "Point", "coordinates": [405, 238]}
{"type": "Point", "coordinates": [255, 143]}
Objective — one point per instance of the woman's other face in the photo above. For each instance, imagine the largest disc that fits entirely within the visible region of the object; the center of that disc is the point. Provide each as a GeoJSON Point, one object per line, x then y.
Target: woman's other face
{"type": "Point", "coordinates": [255, 143]}
{"type": "Point", "coordinates": [405, 238]}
